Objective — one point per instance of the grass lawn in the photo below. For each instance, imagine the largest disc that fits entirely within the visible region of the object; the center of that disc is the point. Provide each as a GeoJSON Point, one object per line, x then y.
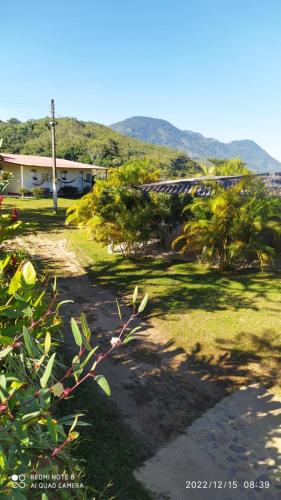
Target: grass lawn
{"type": "Point", "coordinates": [230, 324]}
{"type": "Point", "coordinates": [111, 457]}
{"type": "Point", "coordinates": [39, 213]}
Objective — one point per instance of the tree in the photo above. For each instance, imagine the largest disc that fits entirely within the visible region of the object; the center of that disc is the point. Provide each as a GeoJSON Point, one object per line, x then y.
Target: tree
{"type": "Point", "coordinates": [115, 213]}
{"type": "Point", "coordinates": [233, 227]}
{"type": "Point", "coordinates": [234, 166]}
{"type": "Point", "coordinates": [5, 179]}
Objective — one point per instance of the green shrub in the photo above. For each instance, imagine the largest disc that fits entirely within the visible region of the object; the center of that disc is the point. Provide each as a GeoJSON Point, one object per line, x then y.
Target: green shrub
{"type": "Point", "coordinates": [25, 192]}
{"type": "Point", "coordinates": [5, 179]}
{"type": "Point", "coordinates": [40, 192]}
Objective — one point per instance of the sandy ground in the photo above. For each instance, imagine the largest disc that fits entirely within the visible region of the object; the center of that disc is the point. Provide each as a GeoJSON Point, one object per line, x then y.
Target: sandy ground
{"type": "Point", "coordinates": [151, 381]}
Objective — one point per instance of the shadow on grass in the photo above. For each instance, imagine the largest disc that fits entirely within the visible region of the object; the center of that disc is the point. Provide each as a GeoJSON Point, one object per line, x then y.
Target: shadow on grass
{"type": "Point", "coordinates": [39, 219]}
{"type": "Point", "coordinates": [246, 359]}
{"type": "Point", "coordinates": [174, 290]}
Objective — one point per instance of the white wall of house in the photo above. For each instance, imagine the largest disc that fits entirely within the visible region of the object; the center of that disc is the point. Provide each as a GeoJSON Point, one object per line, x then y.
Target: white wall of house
{"type": "Point", "coordinates": [42, 177]}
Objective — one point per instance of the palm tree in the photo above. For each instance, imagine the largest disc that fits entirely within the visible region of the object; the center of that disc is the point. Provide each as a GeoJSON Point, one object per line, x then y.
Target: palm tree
{"type": "Point", "coordinates": [233, 227]}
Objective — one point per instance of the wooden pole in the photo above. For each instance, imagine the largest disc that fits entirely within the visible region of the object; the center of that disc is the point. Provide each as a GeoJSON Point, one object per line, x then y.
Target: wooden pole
{"type": "Point", "coordinates": [54, 166]}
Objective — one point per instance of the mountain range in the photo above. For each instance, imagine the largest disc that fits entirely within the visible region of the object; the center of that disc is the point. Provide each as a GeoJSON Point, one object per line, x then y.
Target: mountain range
{"type": "Point", "coordinates": [195, 145]}
{"type": "Point", "coordinates": [90, 142]}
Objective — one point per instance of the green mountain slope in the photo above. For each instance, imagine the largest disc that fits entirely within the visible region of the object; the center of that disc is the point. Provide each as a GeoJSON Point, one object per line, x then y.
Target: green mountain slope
{"type": "Point", "coordinates": [195, 145]}
{"type": "Point", "coordinates": [89, 142]}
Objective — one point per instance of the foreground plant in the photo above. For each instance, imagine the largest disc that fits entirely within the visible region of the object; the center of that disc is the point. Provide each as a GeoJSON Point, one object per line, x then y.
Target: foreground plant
{"type": "Point", "coordinates": [33, 379]}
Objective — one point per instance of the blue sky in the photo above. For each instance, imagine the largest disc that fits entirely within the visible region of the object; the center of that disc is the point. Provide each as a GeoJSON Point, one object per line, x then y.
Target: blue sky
{"type": "Point", "coordinates": [211, 66]}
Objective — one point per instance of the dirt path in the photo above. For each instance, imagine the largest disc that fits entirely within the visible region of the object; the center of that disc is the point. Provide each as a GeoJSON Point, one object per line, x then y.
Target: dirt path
{"type": "Point", "coordinates": [151, 382]}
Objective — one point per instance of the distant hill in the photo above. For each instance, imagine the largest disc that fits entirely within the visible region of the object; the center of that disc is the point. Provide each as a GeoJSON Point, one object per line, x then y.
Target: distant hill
{"type": "Point", "coordinates": [198, 147]}
{"type": "Point", "coordinates": [89, 142]}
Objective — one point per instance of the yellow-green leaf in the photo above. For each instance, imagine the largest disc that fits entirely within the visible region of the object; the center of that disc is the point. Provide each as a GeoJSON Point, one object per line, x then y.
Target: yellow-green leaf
{"type": "Point", "coordinates": [57, 389]}
{"type": "Point", "coordinates": [29, 273]}
{"type": "Point", "coordinates": [102, 382]}
{"type": "Point", "coordinates": [143, 303]}
{"type": "Point", "coordinates": [74, 424]}
{"type": "Point", "coordinates": [135, 295]}
{"type": "Point", "coordinates": [15, 282]}
{"type": "Point", "coordinates": [73, 435]}
{"type": "Point", "coordinates": [76, 332]}
{"type": "Point", "coordinates": [47, 344]}
{"type": "Point", "coordinates": [48, 370]}
{"type": "Point", "coordinates": [5, 352]}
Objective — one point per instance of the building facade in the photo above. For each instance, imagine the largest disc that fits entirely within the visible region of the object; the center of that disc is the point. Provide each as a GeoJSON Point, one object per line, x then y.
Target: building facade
{"type": "Point", "coordinates": [36, 171]}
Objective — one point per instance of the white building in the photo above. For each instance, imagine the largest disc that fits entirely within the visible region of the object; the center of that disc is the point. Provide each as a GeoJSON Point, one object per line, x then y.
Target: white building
{"type": "Point", "coordinates": [36, 171]}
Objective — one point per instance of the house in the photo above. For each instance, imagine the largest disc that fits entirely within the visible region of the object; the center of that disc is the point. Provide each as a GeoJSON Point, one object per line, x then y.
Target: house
{"type": "Point", "coordinates": [36, 171]}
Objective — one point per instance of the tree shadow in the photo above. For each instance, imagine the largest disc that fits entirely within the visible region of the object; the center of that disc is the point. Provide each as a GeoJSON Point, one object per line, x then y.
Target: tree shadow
{"type": "Point", "coordinates": [208, 290]}
{"type": "Point", "coordinates": [39, 219]}
{"type": "Point", "coordinates": [246, 359]}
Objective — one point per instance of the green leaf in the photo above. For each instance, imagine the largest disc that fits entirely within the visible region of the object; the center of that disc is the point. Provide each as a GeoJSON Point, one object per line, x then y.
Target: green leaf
{"type": "Point", "coordinates": [102, 382]}
{"type": "Point", "coordinates": [76, 332]}
{"type": "Point", "coordinates": [135, 294]}
{"type": "Point", "coordinates": [30, 416]}
{"type": "Point", "coordinates": [52, 428]}
{"type": "Point", "coordinates": [39, 299]}
{"type": "Point", "coordinates": [3, 459]}
{"type": "Point", "coordinates": [73, 435]}
{"type": "Point", "coordinates": [29, 273]}
{"type": "Point", "coordinates": [47, 344]}
{"type": "Point", "coordinates": [48, 370]}
{"type": "Point", "coordinates": [143, 303]}
{"type": "Point", "coordinates": [28, 342]}
{"type": "Point", "coordinates": [15, 282]}
{"type": "Point", "coordinates": [44, 497]}
{"type": "Point", "coordinates": [119, 310]}
{"type": "Point", "coordinates": [64, 302]}
{"type": "Point", "coordinates": [3, 381]}
{"type": "Point", "coordinates": [27, 312]}
{"type": "Point", "coordinates": [74, 423]}
{"type": "Point", "coordinates": [85, 328]}
{"type": "Point", "coordinates": [85, 361]}
{"type": "Point", "coordinates": [68, 420]}
{"type": "Point", "coordinates": [130, 337]}
{"type": "Point", "coordinates": [5, 340]}
{"type": "Point", "coordinates": [86, 332]}
{"type": "Point", "coordinates": [136, 329]}
{"type": "Point", "coordinates": [57, 389]}
{"type": "Point", "coordinates": [93, 367]}
{"type": "Point", "coordinates": [5, 352]}
{"type": "Point", "coordinates": [4, 262]}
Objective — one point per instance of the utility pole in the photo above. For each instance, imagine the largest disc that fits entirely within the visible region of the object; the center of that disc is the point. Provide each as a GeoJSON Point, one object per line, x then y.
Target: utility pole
{"type": "Point", "coordinates": [54, 165]}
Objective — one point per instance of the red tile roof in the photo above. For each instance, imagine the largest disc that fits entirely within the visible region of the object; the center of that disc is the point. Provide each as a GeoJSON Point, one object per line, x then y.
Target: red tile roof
{"type": "Point", "coordinates": [45, 161]}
